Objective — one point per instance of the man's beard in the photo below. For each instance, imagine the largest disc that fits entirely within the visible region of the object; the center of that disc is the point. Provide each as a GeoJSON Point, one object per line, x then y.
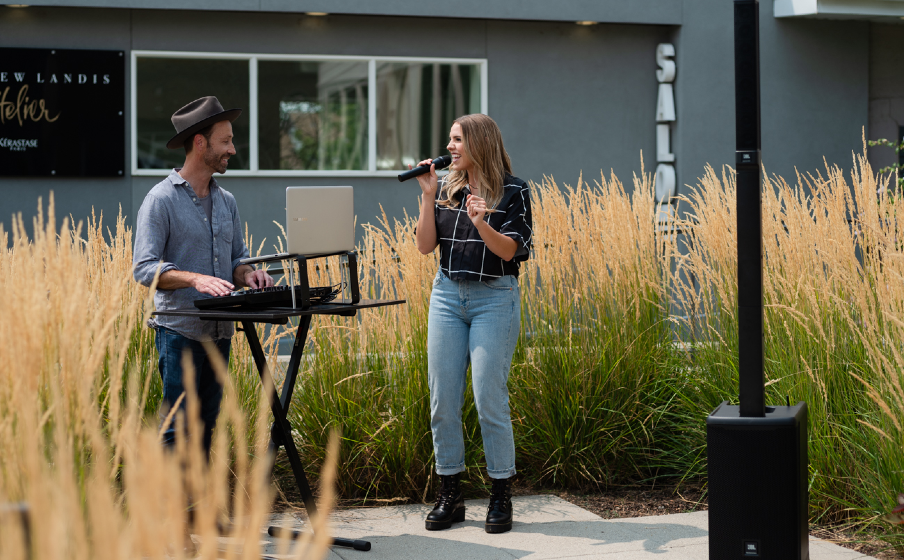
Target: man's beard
{"type": "Point", "coordinates": [212, 159]}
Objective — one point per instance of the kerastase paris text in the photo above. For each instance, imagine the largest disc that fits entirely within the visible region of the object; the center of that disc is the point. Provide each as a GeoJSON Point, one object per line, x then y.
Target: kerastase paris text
{"type": "Point", "coordinates": [18, 144]}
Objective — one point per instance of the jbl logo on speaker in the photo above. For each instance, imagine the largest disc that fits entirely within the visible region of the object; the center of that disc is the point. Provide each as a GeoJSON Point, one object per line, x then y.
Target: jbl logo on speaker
{"type": "Point", "coordinates": [751, 548]}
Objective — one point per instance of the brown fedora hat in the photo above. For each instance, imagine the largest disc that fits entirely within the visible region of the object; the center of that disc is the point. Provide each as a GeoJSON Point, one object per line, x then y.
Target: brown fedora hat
{"type": "Point", "coordinates": [196, 116]}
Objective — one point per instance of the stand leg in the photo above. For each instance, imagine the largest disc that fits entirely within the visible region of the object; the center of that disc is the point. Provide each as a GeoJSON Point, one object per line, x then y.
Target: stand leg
{"type": "Point", "coordinates": [355, 295]}
{"type": "Point", "coordinates": [280, 423]}
{"type": "Point", "coordinates": [279, 532]}
{"type": "Point", "coordinates": [281, 431]}
{"type": "Point", "coordinates": [301, 336]}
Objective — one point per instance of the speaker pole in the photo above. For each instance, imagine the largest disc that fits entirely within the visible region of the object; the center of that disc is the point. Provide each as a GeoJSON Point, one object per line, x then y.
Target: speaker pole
{"type": "Point", "coordinates": [752, 393]}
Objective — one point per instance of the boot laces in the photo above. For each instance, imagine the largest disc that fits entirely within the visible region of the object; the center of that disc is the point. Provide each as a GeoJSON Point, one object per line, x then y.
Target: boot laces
{"type": "Point", "coordinates": [501, 493]}
{"type": "Point", "coordinates": [446, 492]}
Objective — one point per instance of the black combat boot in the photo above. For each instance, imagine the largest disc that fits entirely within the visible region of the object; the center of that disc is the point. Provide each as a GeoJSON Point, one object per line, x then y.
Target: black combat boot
{"type": "Point", "coordinates": [450, 505]}
{"type": "Point", "coordinates": [499, 514]}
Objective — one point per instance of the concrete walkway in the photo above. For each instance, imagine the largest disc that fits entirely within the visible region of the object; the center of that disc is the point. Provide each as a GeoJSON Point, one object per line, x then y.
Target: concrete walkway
{"type": "Point", "coordinates": [545, 527]}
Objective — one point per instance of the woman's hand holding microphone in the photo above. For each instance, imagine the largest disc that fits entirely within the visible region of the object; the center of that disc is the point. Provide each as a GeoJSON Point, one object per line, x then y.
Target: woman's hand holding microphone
{"type": "Point", "coordinates": [425, 231]}
{"type": "Point", "coordinates": [428, 181]}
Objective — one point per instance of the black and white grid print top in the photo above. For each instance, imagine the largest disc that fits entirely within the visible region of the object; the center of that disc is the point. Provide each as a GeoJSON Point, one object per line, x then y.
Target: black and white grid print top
{"type": "Point", "coordinates": [463, 254]}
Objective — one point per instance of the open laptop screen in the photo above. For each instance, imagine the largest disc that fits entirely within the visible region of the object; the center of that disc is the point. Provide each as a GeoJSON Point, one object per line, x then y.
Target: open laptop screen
{"type": "Point", "coordinates": [320, 220]}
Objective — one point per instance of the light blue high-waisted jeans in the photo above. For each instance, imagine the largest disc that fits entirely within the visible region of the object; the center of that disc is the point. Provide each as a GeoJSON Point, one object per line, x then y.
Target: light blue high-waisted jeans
{"type": "Point", "coordinates": [476, 322]}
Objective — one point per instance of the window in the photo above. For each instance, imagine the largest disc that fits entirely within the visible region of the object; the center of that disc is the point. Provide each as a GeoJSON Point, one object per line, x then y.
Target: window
{"type": "Point", "coordinates": [416, 104]}
{"type": "Point", "coordinates": [306, 115]}
{"type": "Point", "coordinates": [161, 90]}
{"type": "Point", "coordinates": [312, 115]}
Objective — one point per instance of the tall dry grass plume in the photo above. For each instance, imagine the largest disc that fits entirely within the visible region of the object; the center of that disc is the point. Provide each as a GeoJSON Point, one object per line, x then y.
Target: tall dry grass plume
{"type": "Point", "coordinates": [628, 340]}
{"type": "Point", "coordinates": [80, 450]}
{"type": "Point", "coordinates": [594, 332]}
{"type": "Point", "coordinates": [834, 298]}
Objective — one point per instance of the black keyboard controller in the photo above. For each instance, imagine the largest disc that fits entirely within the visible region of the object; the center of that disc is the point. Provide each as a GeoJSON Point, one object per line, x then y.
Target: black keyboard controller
{"type": "Point", "coordinates": [275, 296]}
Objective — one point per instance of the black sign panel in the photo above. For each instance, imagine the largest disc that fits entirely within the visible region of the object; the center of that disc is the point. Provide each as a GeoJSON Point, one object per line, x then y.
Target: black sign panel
{"type": "Point", "coordinates": [901, 141]}
{"type": "Point", "coordinates": [62, 113]}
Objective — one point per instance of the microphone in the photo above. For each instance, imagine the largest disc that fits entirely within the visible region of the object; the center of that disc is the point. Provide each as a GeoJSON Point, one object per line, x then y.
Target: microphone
{"type": "Point", "coordinates": [441, 162]}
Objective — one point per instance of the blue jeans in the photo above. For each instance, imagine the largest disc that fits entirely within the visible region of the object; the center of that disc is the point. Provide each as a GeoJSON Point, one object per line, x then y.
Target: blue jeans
{"type": "Point", "coordinates": [476, 322]}
{"type": "Point", "coordinates": [170, 346]}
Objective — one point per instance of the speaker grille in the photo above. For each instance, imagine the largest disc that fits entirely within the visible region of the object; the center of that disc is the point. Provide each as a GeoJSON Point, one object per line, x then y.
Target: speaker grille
{"type": "Point", "coordinates": [747, 76]}
{"type": "Point", "coordinates": [755, 491]}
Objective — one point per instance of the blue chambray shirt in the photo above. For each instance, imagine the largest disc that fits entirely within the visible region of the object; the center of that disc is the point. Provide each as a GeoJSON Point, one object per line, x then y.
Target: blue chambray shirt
{"type": "Point", "coordinates": [172, 232]}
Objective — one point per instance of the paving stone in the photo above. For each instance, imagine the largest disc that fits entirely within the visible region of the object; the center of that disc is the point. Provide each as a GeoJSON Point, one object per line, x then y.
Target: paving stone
{"type": "Point", "coordinates": [545, 528]}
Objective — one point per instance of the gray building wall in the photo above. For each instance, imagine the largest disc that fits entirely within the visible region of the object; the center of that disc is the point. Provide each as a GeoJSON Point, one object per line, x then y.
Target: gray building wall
{"type": "Point", "coordinates": [567, 98]}
{"type": "Point", "coordinates": [886, 90]}
{"type": "Point", "coordinates": [814, 91]}
{"type": "Point", "coordinates": [704, 90]}
{"type": "Point", "coordinates": [814, 94]}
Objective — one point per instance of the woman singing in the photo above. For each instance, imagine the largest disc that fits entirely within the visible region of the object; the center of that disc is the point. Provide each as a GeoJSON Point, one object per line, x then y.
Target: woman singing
{"type": "Point", "coordinates": [480, 217]}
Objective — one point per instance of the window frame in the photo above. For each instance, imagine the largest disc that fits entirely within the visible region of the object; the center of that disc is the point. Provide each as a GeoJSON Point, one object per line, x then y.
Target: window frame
{"type": "Point", "coordinates": [252, 111]}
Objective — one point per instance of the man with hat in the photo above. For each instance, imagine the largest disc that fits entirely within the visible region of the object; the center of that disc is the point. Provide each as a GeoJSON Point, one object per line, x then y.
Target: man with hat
{"type": "Point", "coordinates": [189, 229]}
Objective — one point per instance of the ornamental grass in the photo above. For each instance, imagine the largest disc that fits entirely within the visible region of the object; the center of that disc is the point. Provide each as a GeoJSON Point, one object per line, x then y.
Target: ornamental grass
{"type": "Point", "coordinates": [834, 324]}
{"type": "Point", "coordinates": [628, 340]}
{"type": "Point", "coordinates": [83, 474]}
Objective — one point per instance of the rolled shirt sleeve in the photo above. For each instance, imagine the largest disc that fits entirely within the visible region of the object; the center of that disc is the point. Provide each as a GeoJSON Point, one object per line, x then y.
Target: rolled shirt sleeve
{"type": "Point", "coordinates": [151, 236]}
{"type": "Point", "coordinates": [519, 223]}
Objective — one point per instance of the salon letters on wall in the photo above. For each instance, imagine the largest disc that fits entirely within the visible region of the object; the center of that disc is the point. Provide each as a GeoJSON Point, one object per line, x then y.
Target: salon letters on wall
{"type": "Point", "coordinates": [62, 112]}
{"type": "Point", "coordinates": [665, 115]}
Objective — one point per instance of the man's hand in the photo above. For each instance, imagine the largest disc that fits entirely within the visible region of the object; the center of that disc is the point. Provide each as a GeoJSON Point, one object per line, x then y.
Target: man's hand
{"type": "Point", "coordinates": [245, 276]}
{"type": "Point", "coordinates": [178, 279]}
{"type": "Point", "coordinates": [211, 285]}
{"type": "Point", "coordinates": [258, 279]}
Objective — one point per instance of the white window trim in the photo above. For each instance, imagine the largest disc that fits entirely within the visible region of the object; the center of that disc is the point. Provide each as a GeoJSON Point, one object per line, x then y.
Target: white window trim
{"type": "Point", "coordinates": [253, 59]}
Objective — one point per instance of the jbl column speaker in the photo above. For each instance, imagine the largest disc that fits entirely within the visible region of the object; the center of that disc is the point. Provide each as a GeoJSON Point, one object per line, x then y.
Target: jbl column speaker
{"type": "Point", "coordinates": [757, 454]}
{"type": "Point", "coordinates": [758, 483]}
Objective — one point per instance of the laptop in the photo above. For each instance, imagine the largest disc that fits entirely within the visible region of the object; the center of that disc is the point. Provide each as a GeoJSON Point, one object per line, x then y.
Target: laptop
{"type": "Point", "coordinates": [319, 221]}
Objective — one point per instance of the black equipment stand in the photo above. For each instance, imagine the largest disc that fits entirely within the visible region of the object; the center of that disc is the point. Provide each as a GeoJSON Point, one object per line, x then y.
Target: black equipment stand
{"type": "Point", "coordinates": [281, 431]}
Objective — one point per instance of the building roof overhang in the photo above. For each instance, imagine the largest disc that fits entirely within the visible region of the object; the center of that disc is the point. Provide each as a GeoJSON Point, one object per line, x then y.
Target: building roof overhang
{"type": "Point", "coordinates": [877, 10]}
{"type": "Point", "coordinates": [651, 12]}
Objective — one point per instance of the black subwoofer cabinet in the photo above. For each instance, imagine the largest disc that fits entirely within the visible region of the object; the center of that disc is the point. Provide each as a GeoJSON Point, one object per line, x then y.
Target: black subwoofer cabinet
{"type": "Point", "coordinates": [758, 483]}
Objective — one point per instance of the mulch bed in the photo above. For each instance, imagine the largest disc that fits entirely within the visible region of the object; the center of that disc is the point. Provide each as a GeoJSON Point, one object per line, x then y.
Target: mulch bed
{"type": "Point", "coordinates": [864, 544]}
{"type": "Point", "coordinates": [620, 502]}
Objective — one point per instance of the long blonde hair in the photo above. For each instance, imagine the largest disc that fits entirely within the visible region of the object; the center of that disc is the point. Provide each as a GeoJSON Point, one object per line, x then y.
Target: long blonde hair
{"type": "Point", "coordinates": [482, 142]}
